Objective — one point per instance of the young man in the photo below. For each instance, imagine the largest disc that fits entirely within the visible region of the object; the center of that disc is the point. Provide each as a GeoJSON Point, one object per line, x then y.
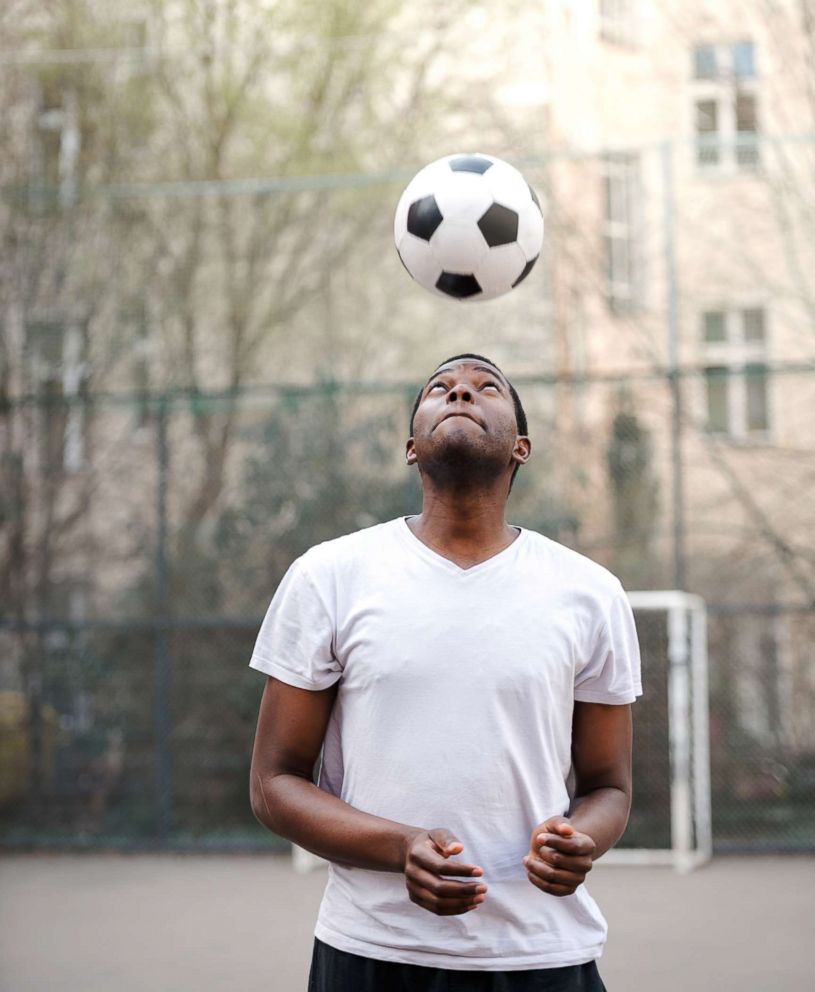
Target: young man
{"type": "Point", "coordinates": [452, 669]}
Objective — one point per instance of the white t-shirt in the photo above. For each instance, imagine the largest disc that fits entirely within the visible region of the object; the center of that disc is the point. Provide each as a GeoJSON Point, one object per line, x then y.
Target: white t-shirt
{"type": "Point", "coordinates": [454, 709]}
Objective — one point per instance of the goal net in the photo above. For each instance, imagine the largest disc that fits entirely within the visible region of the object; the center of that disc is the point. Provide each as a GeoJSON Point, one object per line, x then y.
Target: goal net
{"type": "Point", "coordinates": [670, 819]}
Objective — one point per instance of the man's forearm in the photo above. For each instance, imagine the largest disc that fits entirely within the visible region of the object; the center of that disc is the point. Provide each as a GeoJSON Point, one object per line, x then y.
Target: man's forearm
{"type": "Point", "coordinates": [603, 815]}
{"type": "Point", "coordinates": [295, 808]}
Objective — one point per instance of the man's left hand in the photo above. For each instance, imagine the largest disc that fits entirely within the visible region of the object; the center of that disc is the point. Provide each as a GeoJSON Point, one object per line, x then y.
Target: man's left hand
{"type": "Point", "coordinates": [559, 857]}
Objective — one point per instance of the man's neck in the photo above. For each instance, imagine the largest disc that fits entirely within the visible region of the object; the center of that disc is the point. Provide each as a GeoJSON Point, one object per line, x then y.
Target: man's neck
{"type": "Point", "coordinates": [466, 528]}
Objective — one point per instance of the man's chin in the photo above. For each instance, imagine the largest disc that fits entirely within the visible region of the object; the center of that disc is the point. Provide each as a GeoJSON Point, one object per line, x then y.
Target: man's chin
{"type": "Point", "coordinates": [462, 439]}
{"type": "Point", "coordinates": [461, 457]}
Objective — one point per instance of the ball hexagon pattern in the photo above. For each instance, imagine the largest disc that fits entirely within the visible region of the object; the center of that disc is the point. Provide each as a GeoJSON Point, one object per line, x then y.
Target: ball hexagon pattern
{"type": "Point", "coordinates": [468, 227]}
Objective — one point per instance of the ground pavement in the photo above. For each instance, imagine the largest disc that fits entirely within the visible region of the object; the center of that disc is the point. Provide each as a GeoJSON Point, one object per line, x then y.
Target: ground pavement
{"type": "Point", "coordinates": [211, 923]}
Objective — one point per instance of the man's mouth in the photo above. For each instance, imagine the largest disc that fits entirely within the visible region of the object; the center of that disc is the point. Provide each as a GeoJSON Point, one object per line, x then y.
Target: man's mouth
{"type": "Point", "coordinates": [460, 413]}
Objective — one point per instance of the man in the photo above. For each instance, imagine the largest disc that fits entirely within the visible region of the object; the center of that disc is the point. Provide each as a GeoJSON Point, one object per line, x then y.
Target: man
{"type": "Point", "coordinates": [451, 668]}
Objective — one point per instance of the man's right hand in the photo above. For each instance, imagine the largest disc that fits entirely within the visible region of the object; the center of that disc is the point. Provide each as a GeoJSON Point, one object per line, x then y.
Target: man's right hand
{"type": "Point", "coordinates": [426, 870]}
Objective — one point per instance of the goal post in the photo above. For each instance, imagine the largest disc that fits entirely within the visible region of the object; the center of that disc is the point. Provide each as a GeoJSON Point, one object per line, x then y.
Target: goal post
{"type": "Point", "coordinates": [675, 740]}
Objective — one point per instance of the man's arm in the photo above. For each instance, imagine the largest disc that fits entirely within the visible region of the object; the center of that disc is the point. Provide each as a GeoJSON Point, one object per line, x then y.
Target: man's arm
{"type": "Point", "coordinates": [290, 731]}
{"type": "Point", "coordinates": [601, 755]}
{"type": "Point", "coordinates": [562, 850]}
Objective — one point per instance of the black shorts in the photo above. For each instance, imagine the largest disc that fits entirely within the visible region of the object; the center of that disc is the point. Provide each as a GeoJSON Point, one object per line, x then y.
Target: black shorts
{"type": "Point", "coordinates": [339, 971]}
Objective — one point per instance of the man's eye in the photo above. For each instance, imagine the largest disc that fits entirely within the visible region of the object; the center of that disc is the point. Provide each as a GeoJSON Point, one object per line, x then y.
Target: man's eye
{"type": "Point", "coordinates": [436, 385]}
{"type": "Point", "coordinates": [493, 385]}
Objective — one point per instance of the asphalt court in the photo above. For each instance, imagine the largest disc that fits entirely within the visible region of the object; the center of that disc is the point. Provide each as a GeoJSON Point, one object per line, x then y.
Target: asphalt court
{"type": "Point", "coordinates": [223, 923]}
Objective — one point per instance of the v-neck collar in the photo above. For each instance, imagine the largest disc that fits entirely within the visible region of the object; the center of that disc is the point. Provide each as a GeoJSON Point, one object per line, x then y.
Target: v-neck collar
{"type": "Point", "coordinates": [420, 548]}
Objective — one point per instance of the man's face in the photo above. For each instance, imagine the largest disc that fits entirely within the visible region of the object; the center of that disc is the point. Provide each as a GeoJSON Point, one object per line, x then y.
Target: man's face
{"type": "Point", "coordinates": [466, 415]}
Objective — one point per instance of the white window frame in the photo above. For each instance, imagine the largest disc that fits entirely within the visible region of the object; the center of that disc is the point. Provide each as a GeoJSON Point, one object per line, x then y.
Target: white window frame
{"type": "Point", "coordinates": [70, 369]}
{"type": "Point", "coordinates": [619, 21]}
{"type": "Point", "coordinates": [624, 288]}
{"type": "Point", "coordinates": [74, 374]}
{"type": "Point", "coordinates": [723, 89]}
{"type": "Point", "coordinates": [736, 354]}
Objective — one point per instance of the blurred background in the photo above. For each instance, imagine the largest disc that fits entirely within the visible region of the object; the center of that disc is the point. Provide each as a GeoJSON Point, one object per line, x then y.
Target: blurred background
{"type": "Point", "coordinates": [209, 351]}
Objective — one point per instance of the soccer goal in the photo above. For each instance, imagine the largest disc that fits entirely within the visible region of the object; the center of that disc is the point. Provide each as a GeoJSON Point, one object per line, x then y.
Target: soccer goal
{"type": "Point", "coordinates": [671, 811]}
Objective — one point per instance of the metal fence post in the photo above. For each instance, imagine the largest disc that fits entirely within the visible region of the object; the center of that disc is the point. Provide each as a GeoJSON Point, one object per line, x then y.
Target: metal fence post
{"type": "Point", "coordinates": [161, 701]}
{"type": "Point", "coordinates": [674, 377]}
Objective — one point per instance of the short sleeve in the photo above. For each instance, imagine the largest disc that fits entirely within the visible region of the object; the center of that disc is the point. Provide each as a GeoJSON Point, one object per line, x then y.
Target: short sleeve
{"type": "Point", "coordinates": [295, 643]}
{"type": "Point", "coordinates": [611, 673]}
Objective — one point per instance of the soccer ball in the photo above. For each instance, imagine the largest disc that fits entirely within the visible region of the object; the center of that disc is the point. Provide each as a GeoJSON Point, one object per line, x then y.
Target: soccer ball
{"type": "Point", "coordinates": [468, 227]}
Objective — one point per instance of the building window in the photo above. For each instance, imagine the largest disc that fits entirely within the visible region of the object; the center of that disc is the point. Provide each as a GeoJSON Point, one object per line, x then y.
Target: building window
{"type": "Point", "coordinates": [714, 327]}
{"type": "Point", "coordinates": [59, 372]}
{"type": "Point", "coordinates": [618, 21]}
{"type": "Point", "coordinates": [753, 325]}
{"type": "Point", "coordinates": [725, 106]}
{"type": "Point", "coordinates": [622, 223]}
{"type": "Point", "coordinates": [704, 62]}
{"type": "Point", "coordinates": [707, 130]}
{"type": "Point", "coordinates": [755, 376]}
{"type": "Point", "coordinates": [736, 374]}
{"type": "Point", "coordinates": [54, 179]}
{"type": "Point", "coordinates": [744, 66]}
{"type": "Point", "coordinates": [746, 130]}
{"type": "Point", "coordinates": [718, 404]}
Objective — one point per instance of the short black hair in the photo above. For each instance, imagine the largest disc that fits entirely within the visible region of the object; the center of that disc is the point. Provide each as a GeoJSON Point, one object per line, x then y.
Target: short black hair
{"type": "Point", "coordinates": [520, 413]}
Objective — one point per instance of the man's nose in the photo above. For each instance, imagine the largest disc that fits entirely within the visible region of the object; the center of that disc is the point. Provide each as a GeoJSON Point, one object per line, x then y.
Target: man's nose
{"type": "Point", "coordinates": [460, 392]}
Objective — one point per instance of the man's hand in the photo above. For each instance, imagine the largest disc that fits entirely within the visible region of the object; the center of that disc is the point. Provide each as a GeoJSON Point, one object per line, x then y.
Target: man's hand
{"type": "Point", "coordinates": [426, 865]}
{"type": "Point", "coordinates": [559, 857]}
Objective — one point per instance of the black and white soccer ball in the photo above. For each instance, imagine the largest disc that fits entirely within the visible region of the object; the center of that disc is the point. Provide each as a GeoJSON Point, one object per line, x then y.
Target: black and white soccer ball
{"type": "Point", "coordinates": [468, 227]}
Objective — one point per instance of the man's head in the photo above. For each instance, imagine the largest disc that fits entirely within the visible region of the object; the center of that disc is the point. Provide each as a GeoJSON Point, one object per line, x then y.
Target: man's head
{"type": "Point", "coordinates": [468, 419]}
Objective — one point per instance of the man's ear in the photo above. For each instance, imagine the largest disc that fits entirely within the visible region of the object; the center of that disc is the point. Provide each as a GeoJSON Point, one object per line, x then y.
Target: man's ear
{"type": "Point", "coordinates": [410, 452]}
{"type": "Point", "coordinates": [522, 451]}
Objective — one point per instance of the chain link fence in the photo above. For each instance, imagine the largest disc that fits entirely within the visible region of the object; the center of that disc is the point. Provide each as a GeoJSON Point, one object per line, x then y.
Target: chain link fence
{"type": "Point", "coordinates": [127, 710]}
{"type": "Point", "coordinates": [199, 380]}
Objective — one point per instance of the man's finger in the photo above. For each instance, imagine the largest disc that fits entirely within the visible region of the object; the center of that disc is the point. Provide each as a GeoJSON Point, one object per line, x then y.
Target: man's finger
{"type": "Point", "coordinates": [557, 824]}
{"type": "Point", "coordinates": [568, 862]}
{"type": "Point", "coordinates": [437, 864]}
{"type": "Point", "coordinates": [446, 841]}
{"type": "Point", "coordinates": [575, 844]}
{"type": "Point", "coordinates": [440, 906]}
{"type": "Point", "coordinates": [552, 888]}
{"type": "Point", "coordinates": [555, 875]}
{"type": "Point", "coordinates": [442, 887]}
